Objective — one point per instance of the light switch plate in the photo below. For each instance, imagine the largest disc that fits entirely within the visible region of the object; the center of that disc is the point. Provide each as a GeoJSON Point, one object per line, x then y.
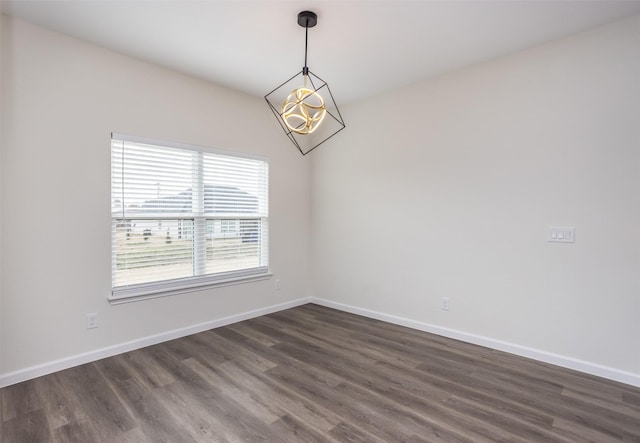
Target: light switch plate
{"type": "Point", "coordinates": [561, 234]}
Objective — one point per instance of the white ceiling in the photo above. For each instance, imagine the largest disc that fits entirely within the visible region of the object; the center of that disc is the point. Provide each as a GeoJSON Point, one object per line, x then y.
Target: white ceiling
{"type": "Point", "coordinates": [361, 48]}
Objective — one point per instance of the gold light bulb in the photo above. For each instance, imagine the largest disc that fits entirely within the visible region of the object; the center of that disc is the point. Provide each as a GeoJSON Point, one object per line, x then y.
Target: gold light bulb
{"type": "Point", "coordinates": [303, 110]}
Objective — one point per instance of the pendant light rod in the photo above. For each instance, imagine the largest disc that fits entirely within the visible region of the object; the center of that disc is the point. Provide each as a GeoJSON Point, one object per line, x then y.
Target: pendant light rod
{"type": "Point", "coordinates": [307, 19]}
{"type": "Point", "coordinates": [305, 69]}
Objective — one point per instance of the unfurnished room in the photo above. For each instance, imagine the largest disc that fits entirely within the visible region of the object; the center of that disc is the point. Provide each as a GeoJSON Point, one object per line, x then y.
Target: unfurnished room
{"type": "Point", "coordinates": [319, 221]}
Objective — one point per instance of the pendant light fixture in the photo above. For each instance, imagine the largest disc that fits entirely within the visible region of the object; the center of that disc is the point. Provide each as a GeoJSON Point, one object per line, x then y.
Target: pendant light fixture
{"type": "Point", "coordinates": [304, 105]}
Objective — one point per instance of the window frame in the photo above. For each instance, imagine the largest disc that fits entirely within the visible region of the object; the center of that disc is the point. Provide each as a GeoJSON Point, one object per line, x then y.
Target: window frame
{"type": "Point", "coordinates": [161, 288]}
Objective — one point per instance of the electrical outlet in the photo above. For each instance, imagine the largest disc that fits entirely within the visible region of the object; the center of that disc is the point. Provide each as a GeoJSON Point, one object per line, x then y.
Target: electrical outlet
{"type": "Point", "coordinates": [277, 284]}
{"type": "Point", "coordinates": [444, 303]}
{"type": "Point", "coordinates": [92, 320]}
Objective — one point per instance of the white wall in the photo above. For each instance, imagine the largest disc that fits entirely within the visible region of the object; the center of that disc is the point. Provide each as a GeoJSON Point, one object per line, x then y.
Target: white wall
{"type": "Point", "coordinates": [446, 188]}
{"type": "Point", "coordinates": [61, 99]}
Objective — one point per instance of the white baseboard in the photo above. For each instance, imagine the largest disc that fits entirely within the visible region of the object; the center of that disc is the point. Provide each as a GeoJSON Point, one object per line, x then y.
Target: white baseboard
{"type": "Point", "coordinates": [547, 357]}
{"type": "Point", "coordinates": [629, 378]}
{"type": "Point", "coordinates": [75, 360]}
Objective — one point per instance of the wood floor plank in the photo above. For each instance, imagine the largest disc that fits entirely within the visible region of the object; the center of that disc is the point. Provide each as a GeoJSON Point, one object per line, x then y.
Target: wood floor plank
{"type": "Point", "coordinates": [156, 421]}
{"type": "Point", "coordinates": [344, 340]}
{"type": "Point", "coordinates": [18, 400]}
{"type": "Point", "coordinates": [248, 332]}
{"type": "Point", "coordinates": [74, 432]}
{"type": "Point", "coordinates": [314, 374]}
{"type": "Point", "coordinates": [463, 393]}
{"type": "Point", "coordinates": [427, 417]}
{"type": "Point", "coordinates": [135, 435]}
{"type": "Point", "coordinates": [240, 352]}
{"type": "Point", "coordinates": [228, 412]}
{"type": "Point", "coordinates": [290, 429]}
{"type": "Point", "coordinates": [92, 394]}
{"type": "Point", "coordinates": [345, 432]}
{"type": "Point", "coordinates": [631, 399]}
{"type": "Point", "coordinates": [285, 397]}
{"type": "Point", "coordinates": [149, 372]}
{"type": "Point", "coordinates": [203, 423]}
{"type": "Point", "coordinates": [30, 427]}
{"type": "Point", "coordinates": [378, 383]}
{"type": "Point", "coordinates": [60, 404]}
{"type": "Point", "coordinates": [283, 358]}
{"type": "Point", "coordinates": [248, 399]}
{"type": "Point", "coordinates": [334, 398]}
{"type": "Point", "coordinates": [581, 433]}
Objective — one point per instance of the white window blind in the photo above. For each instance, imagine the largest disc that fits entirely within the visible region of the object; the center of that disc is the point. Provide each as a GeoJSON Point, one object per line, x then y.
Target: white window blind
{"type": "Point", "coordinates": [184, 217]}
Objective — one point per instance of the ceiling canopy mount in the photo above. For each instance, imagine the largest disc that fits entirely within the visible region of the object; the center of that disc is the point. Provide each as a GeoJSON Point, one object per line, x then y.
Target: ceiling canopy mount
{"type": "Point", "coordinates": [307, 19]}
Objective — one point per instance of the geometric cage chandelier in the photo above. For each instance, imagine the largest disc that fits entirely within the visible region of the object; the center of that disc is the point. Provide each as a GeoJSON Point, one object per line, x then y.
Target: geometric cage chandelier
{"type": "Point", "coordinates": [304, 105]}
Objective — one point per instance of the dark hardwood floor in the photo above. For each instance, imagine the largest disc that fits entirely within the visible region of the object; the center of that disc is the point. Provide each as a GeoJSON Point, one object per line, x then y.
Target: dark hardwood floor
{"type": "Point", "coordinates": [316, 374]}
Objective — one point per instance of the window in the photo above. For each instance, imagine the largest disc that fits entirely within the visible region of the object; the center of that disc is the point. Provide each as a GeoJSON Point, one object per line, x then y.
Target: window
{"type": "Point", "coordinates": [184, 217]}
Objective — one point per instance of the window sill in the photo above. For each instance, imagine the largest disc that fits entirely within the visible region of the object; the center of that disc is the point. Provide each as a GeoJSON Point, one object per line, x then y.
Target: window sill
{"type": "Point", "coordinates": [175, 288]}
